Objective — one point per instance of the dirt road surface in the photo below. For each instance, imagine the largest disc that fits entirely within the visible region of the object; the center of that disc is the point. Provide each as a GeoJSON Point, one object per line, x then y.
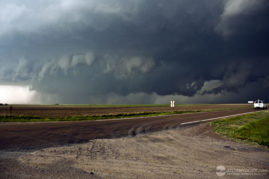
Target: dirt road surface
{"type": "Point", "coordinates": [189, 152]}
{"type": "Point", "coordinates": [157, 147]}
{"type": "Point", "coordinates": [24, 136]}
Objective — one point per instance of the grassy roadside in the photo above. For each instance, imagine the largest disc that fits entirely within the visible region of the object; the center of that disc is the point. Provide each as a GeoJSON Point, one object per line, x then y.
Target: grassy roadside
{"type": "Point", "coordinates": [250, 127]}
{"type": "Point", "coordinates": [94, 117]}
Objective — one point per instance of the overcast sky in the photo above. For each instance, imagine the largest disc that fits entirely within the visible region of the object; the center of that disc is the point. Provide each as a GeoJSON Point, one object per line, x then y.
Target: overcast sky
{"type": "Point", "coordinates": [135, 51]}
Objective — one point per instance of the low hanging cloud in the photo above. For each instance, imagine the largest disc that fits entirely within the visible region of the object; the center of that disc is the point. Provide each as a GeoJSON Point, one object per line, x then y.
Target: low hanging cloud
{"type": "Point", "coordinates": [124, 67]}
{"type": "Point", "coordinates": [210, 86]}
{"type": "Point", "coordinates": [67, 62]}
{"type": "Point", "coordinates": [86, 51]}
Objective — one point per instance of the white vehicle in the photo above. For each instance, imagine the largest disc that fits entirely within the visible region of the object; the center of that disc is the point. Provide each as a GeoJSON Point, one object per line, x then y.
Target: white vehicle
{"type": "Point", "coordinates": [259, 104]}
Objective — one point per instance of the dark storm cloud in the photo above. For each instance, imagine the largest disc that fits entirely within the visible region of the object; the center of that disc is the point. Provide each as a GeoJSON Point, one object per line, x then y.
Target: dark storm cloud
{"type": "Point", "coordinates": [136, 51]}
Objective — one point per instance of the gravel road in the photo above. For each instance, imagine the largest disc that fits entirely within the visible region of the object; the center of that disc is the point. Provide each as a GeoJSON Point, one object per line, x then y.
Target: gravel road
{"type": "Point", "coordinates": [189, 152]}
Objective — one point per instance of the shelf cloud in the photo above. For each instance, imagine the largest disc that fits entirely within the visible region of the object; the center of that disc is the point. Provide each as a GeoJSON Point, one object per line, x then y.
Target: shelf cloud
{"type": "Point", "coordinates": [123, 51]}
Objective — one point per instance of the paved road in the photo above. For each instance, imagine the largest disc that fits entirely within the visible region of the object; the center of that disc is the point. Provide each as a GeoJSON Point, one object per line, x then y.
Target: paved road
{"type": "Point", "coordinates": [25, 136]}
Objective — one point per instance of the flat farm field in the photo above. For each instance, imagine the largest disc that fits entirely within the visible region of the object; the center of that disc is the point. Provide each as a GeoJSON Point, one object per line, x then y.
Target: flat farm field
{"type": "Point", "coordinates": [91, 110]}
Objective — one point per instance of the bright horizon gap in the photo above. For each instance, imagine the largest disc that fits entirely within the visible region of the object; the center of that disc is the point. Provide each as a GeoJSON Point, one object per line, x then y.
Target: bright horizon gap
{"type": "Point", "coordinates": [14, 94]}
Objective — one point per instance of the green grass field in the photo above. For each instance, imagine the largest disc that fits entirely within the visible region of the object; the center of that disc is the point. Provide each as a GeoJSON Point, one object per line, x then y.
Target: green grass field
{"type": "Point", "coordinates": [250, 128]}
{"type": "Point", "coordinates": [84, 118]}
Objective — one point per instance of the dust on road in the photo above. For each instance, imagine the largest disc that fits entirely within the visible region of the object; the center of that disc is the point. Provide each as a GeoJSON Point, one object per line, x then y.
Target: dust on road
{"type": "Point", "coordinates": [190, 152]}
